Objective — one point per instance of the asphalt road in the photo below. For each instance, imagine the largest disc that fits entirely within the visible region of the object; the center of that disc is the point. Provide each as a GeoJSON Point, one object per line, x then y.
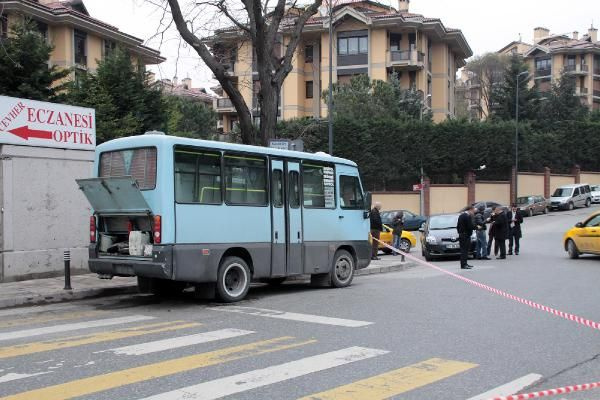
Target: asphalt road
{"type": "Point", "coordinates": [415, 334]}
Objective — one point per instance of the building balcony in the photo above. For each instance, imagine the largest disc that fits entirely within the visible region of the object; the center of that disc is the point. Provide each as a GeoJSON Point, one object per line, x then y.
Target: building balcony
{"type": "Point", "coordinates": [581, 91]}
{"type": "Point", "coordinates": [596, 93]}
{"type": "Point", "coordinates": [408, 59]}
{"type": "Point", "coordinates": [580, 69]}
{"type": "Point", "coordinates": [225, 105]}
{"type": "Point", "coordinates": [596, 71]}
{"type": "Point", "coordinates": [474, 83]}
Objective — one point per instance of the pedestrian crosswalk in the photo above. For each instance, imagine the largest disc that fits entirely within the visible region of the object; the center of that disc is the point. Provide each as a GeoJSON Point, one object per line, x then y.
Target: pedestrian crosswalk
{"type": "Point", "coordinates": [124, 351]}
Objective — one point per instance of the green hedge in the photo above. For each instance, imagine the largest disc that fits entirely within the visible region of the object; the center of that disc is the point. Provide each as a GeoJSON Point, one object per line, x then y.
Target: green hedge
{"type": "Point", "coordinates": [390, 153]}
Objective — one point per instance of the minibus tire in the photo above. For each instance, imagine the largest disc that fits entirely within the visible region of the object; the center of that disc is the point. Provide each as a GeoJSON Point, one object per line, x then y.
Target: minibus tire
{"type": "Point", "coordinates": [342, 270]}
{"type": "Point", "coordinates": [233, 279]}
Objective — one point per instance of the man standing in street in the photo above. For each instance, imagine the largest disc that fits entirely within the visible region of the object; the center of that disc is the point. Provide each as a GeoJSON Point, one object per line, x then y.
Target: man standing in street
{"type": "Point", "coordinates": [481, 251]}
{"type": "Point", "coordinates": [500, 231]}
{"type": "Point", "coordinates": [465, 231]}
{"type": "Point", "coordinates": [376, 228]}
{"type": "Point", "coordinates": [516, 219]}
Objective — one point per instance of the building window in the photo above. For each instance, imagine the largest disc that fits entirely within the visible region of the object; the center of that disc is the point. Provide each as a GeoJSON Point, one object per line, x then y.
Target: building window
{"type": "Point", "coordinates": [3, 25]}
{"type": "Point", "coordinates": [412, 41]}
{"type": "Point", "coordinates": [42, 29]}
{"type": "Point", "coordinates": [80, 39]}
{"type": "Point", "coordinates": [412, 79]}
{"type": "Point", "coordinates": [109, 48]}
{"type": "Point", "coordinates": [309, 89]}
{"type": "Point", "coordinates": [543, 66]}
{"type": "Point", "coordinates": [353, 45]}
{"type": "Point", "coordinates": [395, 41]}
{"type": "Point", "coordinates": [308, 53]}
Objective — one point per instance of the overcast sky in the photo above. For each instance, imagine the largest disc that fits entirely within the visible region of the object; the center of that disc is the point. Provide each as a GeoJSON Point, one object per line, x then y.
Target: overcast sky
{"type": "Point", "coordinates": [488, 25]}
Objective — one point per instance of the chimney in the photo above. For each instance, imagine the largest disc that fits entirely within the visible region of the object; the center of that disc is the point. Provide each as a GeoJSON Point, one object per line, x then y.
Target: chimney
{"type": "Point", "coordinates": [187, 83]}
{"type": "Point", "coordinates": [576, 35]}
{"type": "Point", "coordinates": [539, 33]}
{"type": "Point", "coordinates": [593, 33]}
{"type": "Point", "coordinates": [403, 5]}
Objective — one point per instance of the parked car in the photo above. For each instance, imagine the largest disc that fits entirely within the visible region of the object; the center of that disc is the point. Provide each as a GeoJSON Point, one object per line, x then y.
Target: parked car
{"type": "Point", "coordinates": [439, 237]}
{"type": "Point", "coordinates": [595, 192]}
{"type": "Point", "coordinates": [407, 241]}
{"type": "Point", "coordinates": [584, 238]}
{"type": "Point", "coordinates": [532, 205]}
{"type": "Point", "coordinates": [412, 221]}
{"type": "Point", "coordinates": [487, 205]}
{"type": "Point", "coordinates": [570, 196]}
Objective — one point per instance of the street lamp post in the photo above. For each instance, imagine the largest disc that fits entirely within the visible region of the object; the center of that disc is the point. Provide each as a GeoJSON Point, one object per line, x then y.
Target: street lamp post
{"type": "Point", "coordinates": [330, 97]}
{"type": "Point", "coordinates": [517, 137]}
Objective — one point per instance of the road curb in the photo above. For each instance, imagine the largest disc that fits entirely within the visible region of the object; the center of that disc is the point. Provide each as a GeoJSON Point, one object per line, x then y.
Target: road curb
{"type": "Point", "coordinates": [60, 295]}
{"type": "Point", "coordinates": [67, 295]}
{"type": "Point", "coordinates": [385, 269]}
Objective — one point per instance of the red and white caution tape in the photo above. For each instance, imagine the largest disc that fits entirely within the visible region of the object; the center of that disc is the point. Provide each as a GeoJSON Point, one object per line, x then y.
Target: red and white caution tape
{"type": "Point", "coordinates": [551, 392]}
{"type": "Point", "coordinates": [571, 317]}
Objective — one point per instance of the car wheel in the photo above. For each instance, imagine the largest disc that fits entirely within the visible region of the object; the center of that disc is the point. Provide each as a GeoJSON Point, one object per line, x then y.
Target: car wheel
{"type": "Point", "coordinates": [531, 212]}
{"type": "Point", "coordinates": [233, 279]}
{"type": "Point", "coordinates": [572, 250]}
{"type": "Point", "coordinates": [405, 245]}
{"type": "Point", "coordinates": [588, 203]}
{"type": "Point", "coordinates": [571, 206]}
{"type": "Point", "coordinates": [342, 271]}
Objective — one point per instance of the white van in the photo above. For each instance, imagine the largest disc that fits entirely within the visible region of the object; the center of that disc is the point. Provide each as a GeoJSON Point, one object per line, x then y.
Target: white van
{"type": "Point", "coordinates": [570, 196]}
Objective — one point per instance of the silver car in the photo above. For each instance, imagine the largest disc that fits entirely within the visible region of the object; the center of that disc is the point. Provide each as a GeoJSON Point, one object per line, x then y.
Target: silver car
{"type": "Point", "coordinates": [570, 196]}
{"type": "Point", "coordinates": [595, 193]}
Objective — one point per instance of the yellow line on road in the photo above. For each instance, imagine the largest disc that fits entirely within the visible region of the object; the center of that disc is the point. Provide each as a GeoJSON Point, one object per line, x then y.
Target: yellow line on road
{"type": "Point", "coordinates": [74, 341]}
{"type": "Point", "coordinates": [94, 384]}
{"type": "Point", "coordinates": [395, 382]}
{"type": "Point", "coordinates": [50, 318]}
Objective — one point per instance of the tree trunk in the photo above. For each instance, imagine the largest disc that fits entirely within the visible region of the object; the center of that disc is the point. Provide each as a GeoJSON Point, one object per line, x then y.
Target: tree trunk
{"type": "Point", "coordinates": [268, 99]}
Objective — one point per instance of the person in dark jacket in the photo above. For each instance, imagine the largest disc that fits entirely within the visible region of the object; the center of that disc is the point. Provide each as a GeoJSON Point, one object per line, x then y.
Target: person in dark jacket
{"type": "Point", "coordinates": [465, 228]}
{"type": "Point", "coordinates": [398, 227]}
{"type": "Point", "coordinates": [500, 231]}
{"type": "Point", "coordinates": [376, 228]}
{"type": "Point", "coordinates": [490, 241]}
{"type": "Point", "coordinates": [481, 251]}
{"type": "Point", "coordinates": [515, 219]}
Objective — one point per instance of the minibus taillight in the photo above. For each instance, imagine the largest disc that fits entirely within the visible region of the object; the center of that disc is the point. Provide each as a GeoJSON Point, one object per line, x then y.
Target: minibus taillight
{"type": "Point", "coordinates": [157, 229]}
{"type": "Point", "coordinates": [92, 229]}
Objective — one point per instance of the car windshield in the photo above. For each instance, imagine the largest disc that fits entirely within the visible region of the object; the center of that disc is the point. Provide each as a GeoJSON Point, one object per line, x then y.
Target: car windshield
{"type": "Point", "coordinates": [562, 192]}
{"type": "Point", "coordinates": [439, 222]}
{"type": "Point", "coordinates": [388, 216]}
{"type": "Point", "coordinates": [524, 200]}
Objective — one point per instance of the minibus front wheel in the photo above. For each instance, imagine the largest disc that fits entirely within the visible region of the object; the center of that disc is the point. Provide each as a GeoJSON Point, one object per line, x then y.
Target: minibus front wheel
{"type": "Point", "coordinates": [233, 279]}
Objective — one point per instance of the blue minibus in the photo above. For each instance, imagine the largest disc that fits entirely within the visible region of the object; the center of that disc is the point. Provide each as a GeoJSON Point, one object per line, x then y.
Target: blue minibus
{"type": "Point", "coordinates": [176, 212]}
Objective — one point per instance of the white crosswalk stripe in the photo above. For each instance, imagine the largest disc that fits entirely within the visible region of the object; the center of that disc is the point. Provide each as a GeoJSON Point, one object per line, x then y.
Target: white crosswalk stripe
{"type": "Point", "coordinates": [178, 342]}
{"type": "Point", "coordinates": [72, 327]}
{"type": "Point", "coordinates": [267, 376]}
{"type": "Point", "coordinates": [317, 319]}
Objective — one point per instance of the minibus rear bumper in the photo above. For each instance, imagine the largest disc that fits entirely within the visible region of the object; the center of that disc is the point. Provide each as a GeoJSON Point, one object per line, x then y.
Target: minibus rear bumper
{"type": "Point", "coordinates": [159, 265]}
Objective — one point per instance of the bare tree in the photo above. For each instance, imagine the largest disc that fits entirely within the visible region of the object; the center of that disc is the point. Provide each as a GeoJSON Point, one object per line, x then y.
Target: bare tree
{"type": "Point", "coordinates": [489, 70]}
{"type": "Point", "coordinates": [264, 27]}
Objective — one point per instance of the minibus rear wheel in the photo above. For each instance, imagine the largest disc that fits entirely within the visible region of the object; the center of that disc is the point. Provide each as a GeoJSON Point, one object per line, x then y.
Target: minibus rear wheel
{"type": "Point", "coordinates": [233, 279]}
{"type": "Point", "coordinates": [342, 271]}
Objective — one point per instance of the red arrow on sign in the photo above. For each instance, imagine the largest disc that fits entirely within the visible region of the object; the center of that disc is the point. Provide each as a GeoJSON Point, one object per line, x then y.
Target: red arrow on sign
{"type": "Point", "coordinates": [25, 133]}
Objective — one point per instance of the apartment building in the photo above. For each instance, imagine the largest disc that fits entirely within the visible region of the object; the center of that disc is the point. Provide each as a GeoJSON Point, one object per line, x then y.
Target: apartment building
{"type": "Point", "coordinates": [369, 38]}
{"type": "Point", "coordinates": [468, 96]}
{"type": "Point", "coordinates": [80, 41]}
{"type": "Point", "coordinates": [551, 55]}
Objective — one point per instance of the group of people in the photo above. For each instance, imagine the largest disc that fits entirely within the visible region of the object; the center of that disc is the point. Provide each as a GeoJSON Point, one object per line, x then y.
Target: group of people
{"type": "Point", "coordinates": [377, 227]}
{"type": "Point", "coordinates": [494, 231]}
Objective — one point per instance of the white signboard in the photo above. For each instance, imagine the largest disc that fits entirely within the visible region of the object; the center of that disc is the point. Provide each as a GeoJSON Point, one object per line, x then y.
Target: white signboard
{"type": "Point", "coordinates": [37, 123]}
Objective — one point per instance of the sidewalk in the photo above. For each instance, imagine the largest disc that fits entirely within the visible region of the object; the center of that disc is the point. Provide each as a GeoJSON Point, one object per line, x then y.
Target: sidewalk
{"type": "Point", "coordinates": [44, 291]}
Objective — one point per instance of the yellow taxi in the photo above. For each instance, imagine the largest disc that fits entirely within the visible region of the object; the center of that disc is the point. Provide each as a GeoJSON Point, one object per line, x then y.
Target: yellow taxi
{"type": "Point", "coordinates": [584, 238]}
{"type": "Point", "coordinates": [407, 241]}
